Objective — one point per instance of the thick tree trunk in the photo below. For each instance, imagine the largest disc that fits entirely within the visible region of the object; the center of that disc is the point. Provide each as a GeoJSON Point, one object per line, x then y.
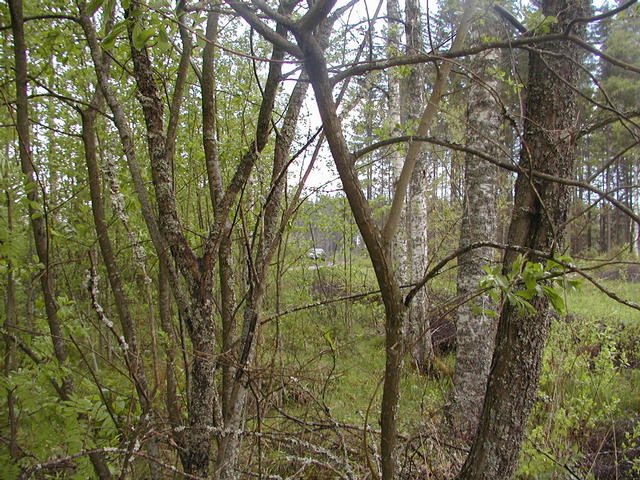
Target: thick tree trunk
{"type": "Point", "coordinates": [540, 208]}
{"type": "Point", "coordinates": [475, 332]}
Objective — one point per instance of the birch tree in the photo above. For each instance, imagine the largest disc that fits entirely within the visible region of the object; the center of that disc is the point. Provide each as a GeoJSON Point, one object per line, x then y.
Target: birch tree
{"type": "Point", "coordinates": [417, 328]}
{"type": "Point", "coordinates": [475, 329]}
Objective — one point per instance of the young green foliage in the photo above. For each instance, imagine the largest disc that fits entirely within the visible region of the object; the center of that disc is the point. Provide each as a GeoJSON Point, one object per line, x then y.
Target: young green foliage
{"type": "Point", "coordinates": [527, 280]}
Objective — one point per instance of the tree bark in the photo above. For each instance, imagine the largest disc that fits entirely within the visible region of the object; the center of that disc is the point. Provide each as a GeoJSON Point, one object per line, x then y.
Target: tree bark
{"type": "Point", "coordinates": [417, 333]}
{"type": "Point", "coordinates": [37, 219]}
{"type": "Point", "coordinates": [132, 353]}
{"type": "Point", "coordinates": [9, 326]}
{"type": "Point", "coordinates": [475, 332]}
{"type": "Point", "coordinates": [540, 207]}
{"type": "Point", "coordinates": [378, 242]}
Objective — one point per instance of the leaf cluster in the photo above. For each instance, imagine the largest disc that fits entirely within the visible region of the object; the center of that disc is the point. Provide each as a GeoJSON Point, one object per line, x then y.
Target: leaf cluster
{"type": "Point", "coordinates": [527, 280]}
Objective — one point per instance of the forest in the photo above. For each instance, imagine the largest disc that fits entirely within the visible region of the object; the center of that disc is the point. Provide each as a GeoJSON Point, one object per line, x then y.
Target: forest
{"type": "Point", "coordinates": [355, 239]}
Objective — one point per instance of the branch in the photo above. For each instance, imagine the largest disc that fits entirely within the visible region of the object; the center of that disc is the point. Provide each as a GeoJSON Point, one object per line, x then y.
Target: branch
{"type": "Point", "coordinates": [62, 460]}
{"type": "Point", "coordinates": [570, 267]}
{"type": "Point", "coordinates": [525, 43]}
{"type": "Point", "coordinates": [595, 18]}
{"type": "Point", "coordinates": [259, 26]}
{"type": "Point", "coordinates": [274, 14]}
{"type": "Point", "coordinates": [505, 14]}
{"type": "Point", "coordinates": [618, 117]}
{"type": "Point", "coordinates": [178, 91]}
{"type": "Point", "coordinates": [314, 16]}
{"type": "Point", "coordinates": [507, 166]}
{"type": "Point", "coordinates": [320, 303]}
{"type": "Point", "coordinates": [434, 271]}
{"type": "Point", "coordinates": [41, 17]}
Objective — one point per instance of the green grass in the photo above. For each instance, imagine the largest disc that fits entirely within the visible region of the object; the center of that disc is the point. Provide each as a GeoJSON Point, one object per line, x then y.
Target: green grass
{"type": "Point", "coordinates": [591, 303]}
{"type": "Point", "coordinates": [336, 352]}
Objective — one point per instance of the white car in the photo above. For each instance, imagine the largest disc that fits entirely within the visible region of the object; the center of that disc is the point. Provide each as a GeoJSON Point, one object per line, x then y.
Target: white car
{"type": "Point", "coordinates": [316, 254]}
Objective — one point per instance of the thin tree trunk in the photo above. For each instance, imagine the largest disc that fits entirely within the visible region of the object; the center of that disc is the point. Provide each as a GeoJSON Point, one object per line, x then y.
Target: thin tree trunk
{"type": "Point", "coordinates": [113, 273]}
{"type": "Point", "coordinates": [228, 444]}
{"type": "Point", "coordinates": [37, 219]}
{"type": "Point", "coordinates": [378, 246]}
{"type": "Point", "coordinates": [475, 332]}
{"type": "Point", "coordinates": [394, 29]}
{"type": "Point", "coordinates": [417, 332]}
{"type": "Point", "coordinates": [171, 396]}
{"type": "Point", "coordinates": [9, 327]}
{"type": "Point", "coordinates": [38, 224]}
{"type": "Point", "coordinates": [636, 202]}
{"type": "Point", "coordinates": [540, 207]}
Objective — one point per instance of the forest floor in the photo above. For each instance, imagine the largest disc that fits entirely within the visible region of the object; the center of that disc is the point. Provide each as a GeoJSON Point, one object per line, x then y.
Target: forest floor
{"type": "Point", "coordinates": [586, 423]}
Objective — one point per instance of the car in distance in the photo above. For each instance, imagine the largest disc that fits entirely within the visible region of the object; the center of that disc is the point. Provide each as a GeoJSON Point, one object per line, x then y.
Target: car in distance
{"type": "Point", "coordinates": [316, 254]}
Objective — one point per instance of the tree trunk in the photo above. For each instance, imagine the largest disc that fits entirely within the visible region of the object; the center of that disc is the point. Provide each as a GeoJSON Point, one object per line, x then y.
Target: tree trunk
{"type": "Point", "coordinates": [9, 326]}
{"type": "Point", "coordinates": [417, 335]}
{"type": "Point", "coordinates": [540, 207]}
{"type": "Point", "coordinates": [38, 219]}
{"type": "Point", "coordinates": [132, 353]}
{"type": "Point", "coordinates": [475, 332]}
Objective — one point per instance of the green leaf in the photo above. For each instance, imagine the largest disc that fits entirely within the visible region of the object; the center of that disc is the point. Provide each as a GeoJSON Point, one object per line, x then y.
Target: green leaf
{"type": "Point", "coordinates": [163, 39]}
{"type": "Point", "coordinates": [555, 298]}
{"type": "Point", "coordinates": [530, 282]}
{"type": "Point", "coordinates": [109, 41]}
{"type": "Point", "coordinates": [93, 6]}
{"type": "Point", "coordinates": [140, 36]}
{"type": "Point", "coordinates": [490, 313]}
{"type": "Point", "coordinates": [526, 294]}
{"type": "Point", "coordinates": [327, 337]}
{"type": "Point", "coordinates": [515, 266]}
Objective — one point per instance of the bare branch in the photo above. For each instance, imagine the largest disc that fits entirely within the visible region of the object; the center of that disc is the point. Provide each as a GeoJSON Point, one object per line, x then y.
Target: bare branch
{"type": "Point", "coordinates": [252, 19]}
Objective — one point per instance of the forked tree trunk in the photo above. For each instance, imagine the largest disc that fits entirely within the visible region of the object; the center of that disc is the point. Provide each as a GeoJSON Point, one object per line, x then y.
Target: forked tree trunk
{"type": "Point", "coordinates": [475, 330]}
{"type": "Point", "coordinates": [540, 209]}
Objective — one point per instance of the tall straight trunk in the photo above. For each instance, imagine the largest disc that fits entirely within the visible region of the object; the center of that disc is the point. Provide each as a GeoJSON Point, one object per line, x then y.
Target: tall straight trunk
{"type": "Point", "coordinates": [540, 208]}
{"type": "Point", "coordinates": [417, 333]}
{"type": "Point", "coordinates": [636, 203]}
{"type": "Point", "coordinates": [9, 326]}
{"type": "Point", "coordinates": [394, 108]}
{"type": "Point", "coordinates": [216, 192]}
{"type": "Point", "coordinates": [475, 332]}
{"type": "Point", "coordinates": [37, 219]}
{"type": "Point", "coordinates": [171, 394]}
